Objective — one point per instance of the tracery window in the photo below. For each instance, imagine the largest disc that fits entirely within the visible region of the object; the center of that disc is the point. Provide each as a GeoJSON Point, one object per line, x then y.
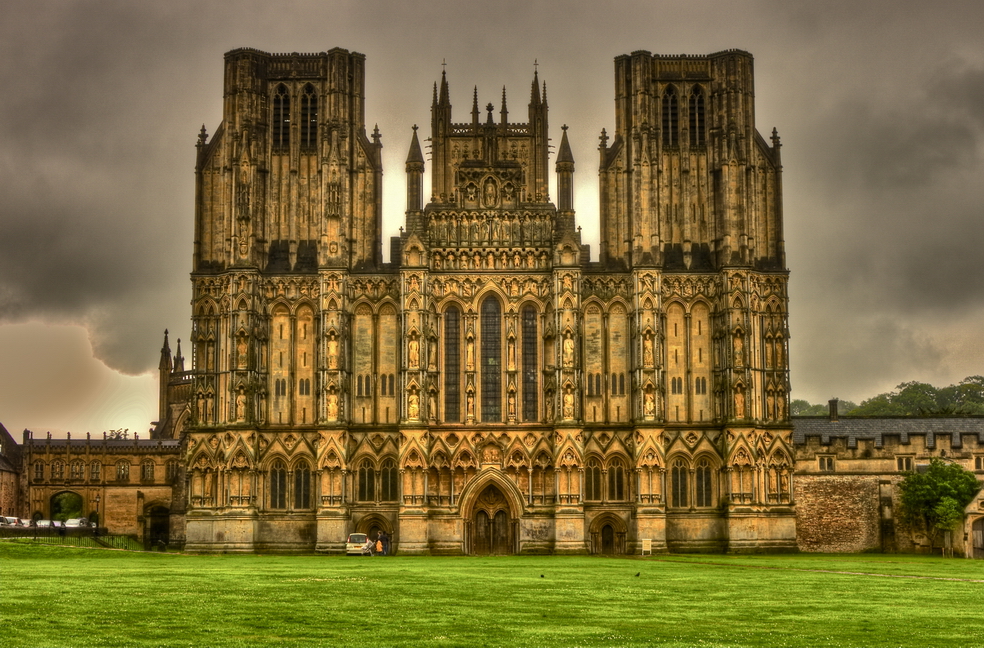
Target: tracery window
{"type": "Point", "coordinates": [616, 480]}
{"type": "Point", "coordinates": [57, 470]}
{"type": "Point", "coordinates": [281, 118]}
{"type": "Point", "coordinates": [147, 471]}
{"type": "Point", "coordinates": [278, 485]}
{"type": "Point", "coordinates": [367, 481]}
{"type": "Point", "coordinates": [122, 471]}
{"type": "Point", "coordinates": [697, 116]}
{"type": "Point", "coordinates": [592, 480]}
{"type": "Point", "coordinates": [452, 365]}
{"type": "Point", "coordinates": [670, 110]}
{"type": "Point", "coordinates": [678, 483]}
{"type": "Point", "coordinates": [388, 481]}
{"type": "Point", "coordinates": [302, 486]}
{"type": "Point", "coordinates": [78, 470]}
{"type": "Point", "coordinates": [491, 360]}
{"type": "Point", "coordinates": [530, 352]}
{"type": "Point", "coordinates": [95, 471]}
{"type": "Point", "coordinates": [171, 471]}
{"type": "Point", "coordinates": [704, 484]}
{"type": "Point", "coordinates": [39, 471]}
{"type": "Point", "coordinates": [309, 118]}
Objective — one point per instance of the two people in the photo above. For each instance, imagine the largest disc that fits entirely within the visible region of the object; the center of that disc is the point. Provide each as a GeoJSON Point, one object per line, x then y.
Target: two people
{"type": "Point", "coordinates": [379, 547]}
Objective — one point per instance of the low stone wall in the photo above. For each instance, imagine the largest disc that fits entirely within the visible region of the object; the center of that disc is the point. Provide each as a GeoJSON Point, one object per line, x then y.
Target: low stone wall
{"type": "Point", "coordinates": [837, 513]}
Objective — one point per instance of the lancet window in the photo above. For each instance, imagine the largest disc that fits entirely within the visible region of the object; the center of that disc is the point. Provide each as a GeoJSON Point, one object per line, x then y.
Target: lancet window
{"type": "Point", "coordinates": [592, 481]}
{"type": "Point", "coordinates": [302, 486]}
{"type": "Point", "coordinates": [679, 475]}
{"type": "Point", "coordinates": [530, 353]}
{"type": "Point", "coordinates": [697, 117]}
{"type": "Point", "coordinates": [281, 118]}
{"type": "Point", "coordinates": [491, 360]}
{"type": "Point", "coordinates": [309, 118]}
{"type": "Point", "coordinates": [278, 485]}
{"type": "Point", "coordinates": [452, 365]}
{"type": "Point", "coordinates": [670, 110]}
{"type": "Point", "coordinates": [704, 483]}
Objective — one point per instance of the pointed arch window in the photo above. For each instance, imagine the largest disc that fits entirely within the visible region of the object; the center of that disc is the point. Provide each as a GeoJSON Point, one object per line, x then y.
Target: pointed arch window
{"type": "Point", "coordinates": [452, 365]}
{"type": "Point", "coordinates": [592, 481]}
{"type": "Point", "coordinates": [388, 481]}
{"type": "Point", "coordinates": [95, 471]}
{"type": "Point", "coordinates": [671, 116]}
{"type": "Point", "coordinates": [278, 485]}
{"type": "Point", "coordinates": [678, 483]}
{"type": "Point", "coordinates": [309, 118]}
{"type": "Point", "coordinates": [704, 484]}
{"type": "Point", "coordinates": [697, 127]}
{"type": "Point", "coordinates": [616, 480]}
{"type": "Point", "coordinates": [281, 118]}
{"type": "Point", "coordinates": [302, 486]}
{"type": "Point", "coordinates": [530, 353]}
{"type": "Point", "coordinates": [367, 481]}
{"type": "Point", "coordinates": [491, 360]}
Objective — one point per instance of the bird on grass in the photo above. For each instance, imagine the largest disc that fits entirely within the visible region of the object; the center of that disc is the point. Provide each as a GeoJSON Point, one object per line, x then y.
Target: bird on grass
{"type": "Point", "coordinates": [637, 573]}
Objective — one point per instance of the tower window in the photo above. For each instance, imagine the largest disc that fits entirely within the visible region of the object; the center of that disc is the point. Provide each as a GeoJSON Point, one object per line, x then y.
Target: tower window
{"type": "Point", "coordinates": [697, 116]}
{"type": "Point", "coordinates": [281, 118]}
{"type": "Point", "coordinates": [309, 118]}
{"type": "Point", "coordinates": [530, 351]}
{"type": "Point", "coordinates": [592, 481]}
{"type": "Point", "coordinates": [278, 485]}
{"type": "Point", "coordinates": [704, 485]}
{"type": "Point", "coordinates": [670, 110]}
{"type": "Point", "coordinates": [678, 483]}
{"type": "Point", "coordinates": [302, 486]}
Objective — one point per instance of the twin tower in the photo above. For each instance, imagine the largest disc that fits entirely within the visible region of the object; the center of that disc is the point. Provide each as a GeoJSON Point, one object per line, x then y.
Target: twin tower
{"type": "Point", "coordinates": [491, 389]}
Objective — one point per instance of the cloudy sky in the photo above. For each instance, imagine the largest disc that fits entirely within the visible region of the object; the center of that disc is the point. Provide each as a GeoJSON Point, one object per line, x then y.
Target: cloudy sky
{"type": "Point", "coordinates": [880, 106]}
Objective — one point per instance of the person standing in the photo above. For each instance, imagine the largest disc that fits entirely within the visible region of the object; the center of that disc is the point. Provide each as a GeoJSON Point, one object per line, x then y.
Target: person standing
{"type": "Point", "coordinates": [384, 539]}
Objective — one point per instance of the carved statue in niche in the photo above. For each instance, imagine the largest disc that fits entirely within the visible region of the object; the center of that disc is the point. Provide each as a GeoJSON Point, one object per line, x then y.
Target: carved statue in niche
{"type": "Point", "coordinates": [739, 350]}
{"type": "Point", "coordinates": [414, 352]}
{"type": "Point", "coordinates": [568, 404]}
{"type": "Point", "coordinates": [740, 403]}
{"type": "Point", "coordinates": [568, 350]}
{"type": "Point", "coordinates": [647, 350]}
{"type": "Point", "coordinates": [512, 355]}
{"type": "Point", "coordinates": [491, 454]}
{"type": "Point", "coordinates": [413, 406]}
{"type": "Point", "coordinates": [210, 356]}
{"type": "Point", "coordinates": [332, 352]}
{"type": "Point", "coordinates": [240, 406]}
{"type": "Point", "coordinates": [432, 406]}
{"type": "Point", "coordinates": [470, 405]}
{"type": "Point", "coordinates": [470, 355]}
{"type": "Point", "coordinates": [201, 407]}
{"type": "Point", "coordinates": [512, 405]}
{"type": "Point", "coordinates": [649, 405]}
{"type": "Point", "coordinates": [241, 352]}
{"type": "Point", "coordinates": [550, 406]}
{"type": "Point", "coordinates": [490, 194]}
{"type": "Point", "coordinates": [770, 404]}
{"type": "Point", "coordinates": [332, 406]}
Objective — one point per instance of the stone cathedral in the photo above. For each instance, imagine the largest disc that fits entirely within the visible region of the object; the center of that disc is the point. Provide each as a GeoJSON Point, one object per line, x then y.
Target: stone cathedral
{"type": "Point", "coordinates": [492, 389]}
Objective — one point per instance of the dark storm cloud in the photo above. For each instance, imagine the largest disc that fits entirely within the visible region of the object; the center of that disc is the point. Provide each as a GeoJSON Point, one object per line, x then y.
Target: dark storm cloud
{"type": "Point", "coordinates": [880, 105]}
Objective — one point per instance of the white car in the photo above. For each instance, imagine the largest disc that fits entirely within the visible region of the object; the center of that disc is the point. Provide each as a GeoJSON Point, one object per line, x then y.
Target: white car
{"type": "Point", "coordinates": [72, 523]}
{"type": "Point", "coordinates": [354, 544]}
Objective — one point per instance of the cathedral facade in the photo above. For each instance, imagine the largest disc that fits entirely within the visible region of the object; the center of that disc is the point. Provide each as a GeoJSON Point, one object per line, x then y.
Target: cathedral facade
{"type": "Point", "coordinates": [491, 389]}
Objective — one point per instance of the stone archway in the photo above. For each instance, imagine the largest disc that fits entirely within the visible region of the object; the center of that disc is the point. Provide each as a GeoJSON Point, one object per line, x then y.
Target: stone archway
{"type": "Point", "coordinates": [607, 540]}
{"type": "Point", "coordinates": [608, 533]}
{"type": "Point", "coordinates": [157, 532]}
{"type": "Point", "coordinates": [66, 505]}
{"type": "Point", "coordinates": [492, 528]}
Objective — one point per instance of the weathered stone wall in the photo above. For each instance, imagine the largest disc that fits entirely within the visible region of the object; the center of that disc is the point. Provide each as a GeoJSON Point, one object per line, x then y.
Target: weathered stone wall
{"type": "Point", "coordinates": [837, 513]}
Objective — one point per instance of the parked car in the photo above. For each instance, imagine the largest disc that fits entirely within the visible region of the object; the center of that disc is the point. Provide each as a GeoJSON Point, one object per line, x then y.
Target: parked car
{"type": "Point", "coordinates": [72, 523]}
{"type": "Point", "coordinates": [10, 521]}
{"type": "Point", "coordinates": [354, 544]}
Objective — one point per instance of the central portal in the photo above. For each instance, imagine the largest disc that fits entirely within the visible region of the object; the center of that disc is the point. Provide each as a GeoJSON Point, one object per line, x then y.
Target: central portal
{"type": "Point", "coordinates": [492, 532]}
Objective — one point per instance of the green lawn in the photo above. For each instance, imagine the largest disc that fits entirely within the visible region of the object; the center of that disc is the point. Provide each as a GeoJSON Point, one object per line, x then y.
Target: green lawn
{"type": "Point", "coordinates": [54, 596]}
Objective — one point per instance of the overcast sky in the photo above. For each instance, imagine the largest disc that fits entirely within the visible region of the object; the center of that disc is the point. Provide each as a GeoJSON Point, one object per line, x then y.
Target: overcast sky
{"type": "Point", "coordinates": [880, 107]}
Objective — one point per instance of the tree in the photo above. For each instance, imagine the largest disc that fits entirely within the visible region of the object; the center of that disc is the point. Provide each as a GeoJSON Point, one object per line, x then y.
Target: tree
{"type": "Point", "coordinates": [933, 501]}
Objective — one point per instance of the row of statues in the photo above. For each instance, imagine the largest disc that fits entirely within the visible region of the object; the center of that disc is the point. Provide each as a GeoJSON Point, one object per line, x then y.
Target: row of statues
{"type": "Point", "coordinates": [477, 229]}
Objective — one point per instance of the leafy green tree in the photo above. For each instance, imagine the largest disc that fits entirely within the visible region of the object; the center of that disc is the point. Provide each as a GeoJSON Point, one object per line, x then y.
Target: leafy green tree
{"type": "Point", "coordinates": [801, 407]}
{"type": "Point", "coordinates": [933, 501]}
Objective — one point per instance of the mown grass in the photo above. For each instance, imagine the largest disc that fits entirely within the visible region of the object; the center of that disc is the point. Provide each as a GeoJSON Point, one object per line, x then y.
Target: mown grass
{"type": "Point", "coordinates": [54, 596]}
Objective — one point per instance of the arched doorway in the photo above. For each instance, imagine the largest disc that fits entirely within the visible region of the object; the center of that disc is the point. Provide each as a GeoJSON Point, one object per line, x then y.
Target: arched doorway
{"type": "Point", "coordinates": [492, 528]}
{"type": "Point", "coordinates": [66, 505]}
{"type": "Point", "coordinates": [607, 540]}
{"type": "Point", "coordinates": [158, 531]}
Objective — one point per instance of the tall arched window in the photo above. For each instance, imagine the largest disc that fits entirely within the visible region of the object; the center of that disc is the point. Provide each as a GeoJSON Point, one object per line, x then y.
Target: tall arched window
{"type": "Point", "coordinates": [38, 471]}
{"type": "Point", "coordinates": [302, 486]}
{"type": "Point", "coordinates": [147, 471]}
{"type": "Point", "coordinates": [278, 485]}
{"type": "Point", "coordinates": [678, 483]}
{"type": "Point", "coordinates": [670, 116]}
{"type": "Point", "coordinates": [388, 481]}
{"type": "Point", "coordinates": [281, 118]}
{"type": "Point", "coordinates": [78, 470]}
{"type": "Point", "coordinates": [491, 360]}
{"type": "Point", "coordinates": [704, 486]}
{"type": "Point", "coordinates": [367, 481]}
{"type": "Point", "coordinates": [123, 471]}
{"type": "Point", "coordinates": [309, 118]}
{"type": "Point", "coordinates": [616, 480]}
{"type": "Point", "coordinates": [697, 116]}
{"type": "Point", "coordinates": [95, 471]}
{"type": "Point", "coordinates": [452, 365]}
{"type": "Point", "coordinates": [592, 480]}
{"type": "Point", "coordinates": [530, 353]}
{"type": "Point", "coordinates": [57, 469]}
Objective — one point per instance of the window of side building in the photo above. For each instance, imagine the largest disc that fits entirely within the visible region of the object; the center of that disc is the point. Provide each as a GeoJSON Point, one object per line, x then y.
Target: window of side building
{"type": "Point", "coordinates": [826, 463]}
{"type": "Point", "coordinates": [904, 464]}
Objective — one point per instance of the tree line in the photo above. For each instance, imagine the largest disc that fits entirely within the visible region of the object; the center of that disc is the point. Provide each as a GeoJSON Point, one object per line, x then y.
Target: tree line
{"type": "Point", "coordinates": [965, 398]}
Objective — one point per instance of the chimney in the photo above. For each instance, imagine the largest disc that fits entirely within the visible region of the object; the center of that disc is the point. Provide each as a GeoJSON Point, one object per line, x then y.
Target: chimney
{"type": "Point", "coordinates": [833, 408]}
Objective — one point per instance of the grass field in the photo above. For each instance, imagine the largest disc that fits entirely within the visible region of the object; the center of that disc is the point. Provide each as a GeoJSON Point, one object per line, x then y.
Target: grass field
{"type": "Point", "coordinates": [62, 596]}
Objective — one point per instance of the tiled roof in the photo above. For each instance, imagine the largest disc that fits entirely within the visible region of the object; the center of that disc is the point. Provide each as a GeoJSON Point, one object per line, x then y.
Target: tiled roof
{"type": "Point", "coordinates": [863, 427]}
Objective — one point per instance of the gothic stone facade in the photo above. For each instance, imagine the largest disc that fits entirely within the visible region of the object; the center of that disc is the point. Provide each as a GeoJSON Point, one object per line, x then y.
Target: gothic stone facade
{"type": "Point", "coordinates": [490, 390]}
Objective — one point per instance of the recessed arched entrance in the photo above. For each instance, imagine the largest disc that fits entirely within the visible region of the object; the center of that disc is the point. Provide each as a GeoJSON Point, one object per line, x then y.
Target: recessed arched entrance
{"type": "Point", "coordinates": [608, 535]}
{"type": "Point", "coordinates": [977, 538]}
{"type": "Point", "coordinates": [607, 540]}
{"type": "Point", "coordinates": [491, 524]}
{"type": "Point", "coordinates": [158, 530]}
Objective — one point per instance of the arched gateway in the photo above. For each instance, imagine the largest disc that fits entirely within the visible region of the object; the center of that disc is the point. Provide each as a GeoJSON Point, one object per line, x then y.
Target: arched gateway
{"type": "Point", "coordinates": [492, 528]}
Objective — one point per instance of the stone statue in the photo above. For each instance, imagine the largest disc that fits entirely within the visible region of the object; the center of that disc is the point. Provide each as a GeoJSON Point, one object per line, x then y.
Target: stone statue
{"type": "Point", "coordinates": [413, 406]}
{"type": "Point", "coordinates": [647, 351]}
{"type": "Point", "coordinates": [332, 353]}
{"type": "Point", "coordinates": [414, 352]}
{"type": "Point", "coordinates": [568, 350]}
{"type": "Point", "coordinates": [568, 405]}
